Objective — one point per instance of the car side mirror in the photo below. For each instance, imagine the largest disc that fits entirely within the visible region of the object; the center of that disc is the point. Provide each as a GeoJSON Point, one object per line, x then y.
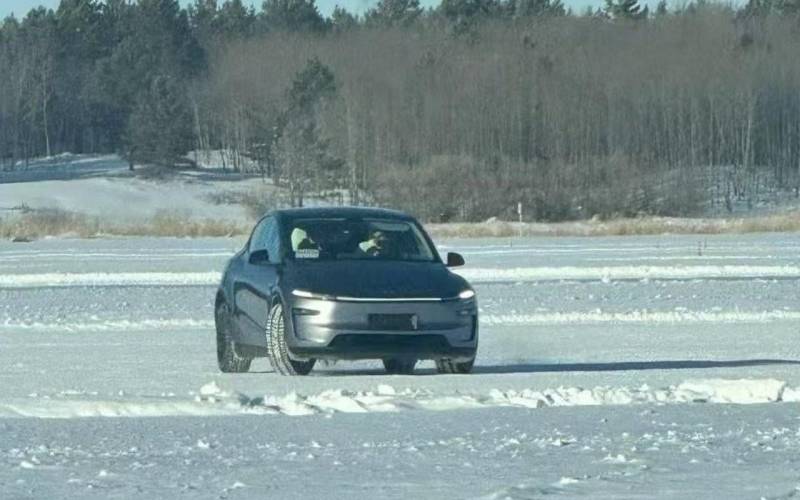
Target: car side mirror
{"type": "Point", "coordinates": [259, 257]}
{"type": "Point", "coordinates": [454, 259]}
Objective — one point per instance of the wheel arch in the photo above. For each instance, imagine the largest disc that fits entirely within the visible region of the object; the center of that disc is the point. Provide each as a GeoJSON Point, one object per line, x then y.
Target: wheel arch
{"type": "Point", "coordinates": [276, 297]}
{"type": "Point", "coordinates": [221, 298]}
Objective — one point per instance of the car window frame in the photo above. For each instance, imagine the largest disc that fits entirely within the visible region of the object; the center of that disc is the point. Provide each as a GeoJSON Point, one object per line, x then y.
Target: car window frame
{"type": "Point", "coordinates": [268, 225]}
{"type": "Point", "coordinates": [287, 224]}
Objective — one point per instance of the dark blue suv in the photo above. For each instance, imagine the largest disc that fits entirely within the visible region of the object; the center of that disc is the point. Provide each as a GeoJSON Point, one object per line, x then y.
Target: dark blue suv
{"type": "Point", "coordinates": [344, 283]}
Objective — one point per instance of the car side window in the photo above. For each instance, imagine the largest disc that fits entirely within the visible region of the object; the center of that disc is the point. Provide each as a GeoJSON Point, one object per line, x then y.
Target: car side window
{"type": "Point", "coordinates": [266, 237]}
{"type": "Point", "coordinates": [257, 238]}
{"type": "Point", "coordinates": [273, 241]}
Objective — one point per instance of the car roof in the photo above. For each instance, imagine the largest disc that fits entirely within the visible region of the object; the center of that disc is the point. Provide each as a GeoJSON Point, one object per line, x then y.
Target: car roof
{"type": "Point", "coordinates": [342, 212]}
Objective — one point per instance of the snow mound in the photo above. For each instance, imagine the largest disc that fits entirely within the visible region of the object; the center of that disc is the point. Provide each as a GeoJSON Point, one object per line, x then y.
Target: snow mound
{"type": "Point", "coordinates": [109, 279]}
{"type": "Point", "coordinates": [608, 274]}
{"type": "Point", "coordinates": [791, 395]}
{"type": "Point", "coordinates": [211, 399]}
{"type": "Point", "coordinates": [732, 391]}
{"type": "Point", "coordinates": [639, 316]}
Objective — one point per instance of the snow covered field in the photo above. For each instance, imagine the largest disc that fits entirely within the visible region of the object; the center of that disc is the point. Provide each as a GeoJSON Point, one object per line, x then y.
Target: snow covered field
{"type": "Point", "coordinates": [632, 367]}
{"type": "Point", "coordinates": [102, 186]}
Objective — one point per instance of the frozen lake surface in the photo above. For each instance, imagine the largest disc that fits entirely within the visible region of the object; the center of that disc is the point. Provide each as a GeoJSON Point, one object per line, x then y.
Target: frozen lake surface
{"type": "Point", "coordinates": [633, 367]}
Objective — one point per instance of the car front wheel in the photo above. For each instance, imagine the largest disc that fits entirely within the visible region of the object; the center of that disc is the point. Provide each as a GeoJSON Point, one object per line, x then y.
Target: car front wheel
{"type": "Point", "coordinates": [227, 358]}
{"type": "Point", "coordinates": [449, 366]}
{"type": "Point", "coordinates": [399, 366]}
{"type": "Point", "coordinates": [277, 348]}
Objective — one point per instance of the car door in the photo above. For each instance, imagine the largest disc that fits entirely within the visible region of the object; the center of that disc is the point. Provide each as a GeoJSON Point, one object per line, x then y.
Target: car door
{"type": "Point", "coordinates": [256, 283]}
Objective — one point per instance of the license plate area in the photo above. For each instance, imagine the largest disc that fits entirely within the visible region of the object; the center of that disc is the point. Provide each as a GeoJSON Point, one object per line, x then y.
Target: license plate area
{"type": "Point", "coordinates": [393, 322]}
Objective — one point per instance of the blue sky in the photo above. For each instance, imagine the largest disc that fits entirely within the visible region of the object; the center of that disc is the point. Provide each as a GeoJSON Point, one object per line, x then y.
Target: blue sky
{"type": "Point", "coordinates": [20, 7]}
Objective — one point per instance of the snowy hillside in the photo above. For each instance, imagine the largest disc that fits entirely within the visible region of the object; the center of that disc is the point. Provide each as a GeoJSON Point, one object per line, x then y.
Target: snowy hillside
{"type": "Point", "coordinates": [103, 186]}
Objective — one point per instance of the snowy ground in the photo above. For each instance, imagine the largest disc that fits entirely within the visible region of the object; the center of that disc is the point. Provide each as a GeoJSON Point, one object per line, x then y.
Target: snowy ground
{"type": "Point", "coordinates": [609, 367]}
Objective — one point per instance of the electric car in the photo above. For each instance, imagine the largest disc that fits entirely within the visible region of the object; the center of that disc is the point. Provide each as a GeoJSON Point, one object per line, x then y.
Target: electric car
{"type": "Point", "coordinates": [344, 284]}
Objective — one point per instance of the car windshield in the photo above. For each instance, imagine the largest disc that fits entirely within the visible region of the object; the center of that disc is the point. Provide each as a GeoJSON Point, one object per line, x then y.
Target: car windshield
{"type": "Point", "coordinates": [358, 239]}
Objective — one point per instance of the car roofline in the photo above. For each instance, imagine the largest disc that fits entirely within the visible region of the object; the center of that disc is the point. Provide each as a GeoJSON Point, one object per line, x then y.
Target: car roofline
{"type": "Point", "coordinates": [345, 212]}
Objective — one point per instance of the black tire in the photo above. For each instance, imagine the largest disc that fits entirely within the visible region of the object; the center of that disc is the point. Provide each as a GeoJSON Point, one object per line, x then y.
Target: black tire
{"type": "Point", "coordinates": [399, 366]}
{"type": "Point", "coordinates": [227, 358]}
{"type": "Point", "coordinates": [278, 350]}
{"type": "Point", "coordinates": [449, 366]}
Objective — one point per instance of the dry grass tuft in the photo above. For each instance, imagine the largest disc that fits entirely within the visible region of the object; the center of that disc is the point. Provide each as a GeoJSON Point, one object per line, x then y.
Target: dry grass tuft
{"type": "Point", "coordinates": [40, 223]}
{"type": "Point", "coordinates": [37, 223]}
{"type": "Point", "coordinates": [785, 222]}
{"type": "Point", "coordinates": [33, 224]}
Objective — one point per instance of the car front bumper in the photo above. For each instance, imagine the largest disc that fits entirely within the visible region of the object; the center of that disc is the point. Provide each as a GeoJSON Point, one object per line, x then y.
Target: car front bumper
{"type": "Point", "coordinates": [333, 329]}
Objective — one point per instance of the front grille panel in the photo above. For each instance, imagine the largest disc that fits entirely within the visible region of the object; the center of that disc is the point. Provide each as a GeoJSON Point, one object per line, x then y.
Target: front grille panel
{"type": "Point", "coordinates": [393, 322]}
{"type": "Point", "coordinates": [388, 341]}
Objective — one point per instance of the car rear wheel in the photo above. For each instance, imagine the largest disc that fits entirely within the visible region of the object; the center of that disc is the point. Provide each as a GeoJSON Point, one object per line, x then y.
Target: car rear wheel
{"type": "Point", "coordinates": [399, 366]}
{"type": "Point", "coordinates": [227, 358]}
{"type": "Point", "coordinates": [450, 366]}
{"type": "Point", "coordinates": [278, 350]}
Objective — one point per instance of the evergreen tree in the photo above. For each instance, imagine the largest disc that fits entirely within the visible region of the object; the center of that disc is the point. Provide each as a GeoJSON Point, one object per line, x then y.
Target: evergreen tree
{"type": "Point", "coordinates": [533, 8]}
{"type": "Point", "coordinates": [160, 127]}
{"type": "Point", "coordinates": [236, 20]}
{"type": "Point", "coordinates": [39, 46]}
{"type": "Point", "coordinates": [302, 149]}
{"type": "Point", "coordinates": [394, 13]}
{"type": "Point", "coordinates": [292, 15]}
{"type": "Point", "coordinates": [625, 9]}
{"type": "Point", "coordinates": [81, 42]}
{"type": "Point", "coordinates": [342, 20]}
{"type": "Point", "coordinates": [154, 39]}
{"type": "Point", "coordinates": [204, 20]}
{"type": "Point", "coordinates": [462, 16]}
{"type": "Point", "coordinates": [789, 7]}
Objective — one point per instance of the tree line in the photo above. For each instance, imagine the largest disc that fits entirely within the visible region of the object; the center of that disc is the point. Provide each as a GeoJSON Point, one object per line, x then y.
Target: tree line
{"type": "Point", "coordinates": [455, 113]}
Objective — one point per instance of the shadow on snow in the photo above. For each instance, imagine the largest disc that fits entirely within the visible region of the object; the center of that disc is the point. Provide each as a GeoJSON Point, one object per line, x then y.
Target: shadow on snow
{"type": "Point", "coordinates": [342, 370]}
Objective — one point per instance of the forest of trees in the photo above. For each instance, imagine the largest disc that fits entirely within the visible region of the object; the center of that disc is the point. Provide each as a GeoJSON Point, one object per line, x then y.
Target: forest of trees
{"type": "Point", "coordinates": [453, 113]}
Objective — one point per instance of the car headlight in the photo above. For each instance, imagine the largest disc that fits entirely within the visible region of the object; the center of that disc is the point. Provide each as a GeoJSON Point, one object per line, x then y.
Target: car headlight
{"type": "Point", "coordinates": [305, 294]}
{"type": "Point", "coordinates": [466, 294]}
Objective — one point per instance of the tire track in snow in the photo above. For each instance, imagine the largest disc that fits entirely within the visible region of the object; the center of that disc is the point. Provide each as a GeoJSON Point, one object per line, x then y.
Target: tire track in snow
{"type": "Point", "coordinates": [536, 319]}
{"type": "Point", "coordinates": [110, 325]}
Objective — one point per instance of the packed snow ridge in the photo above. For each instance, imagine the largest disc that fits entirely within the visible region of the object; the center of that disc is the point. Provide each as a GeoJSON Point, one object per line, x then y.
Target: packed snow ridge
{"type": "Point", "coordinates": [109, 279]}
{"type": "Point", "coordinates": [211, 399]}
{"type": "Point", "coordinates": [613, 273]}
{"type": "Point", "coordinates": [475, 275]}
{"type": "Point", "coordinates": [639, 317]}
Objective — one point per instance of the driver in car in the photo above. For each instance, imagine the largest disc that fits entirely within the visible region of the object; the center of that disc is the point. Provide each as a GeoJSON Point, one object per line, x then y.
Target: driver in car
{"type": "Point", "coordinates": [379, 245]}
{"type": "Point", "coordinates": [303, 245]}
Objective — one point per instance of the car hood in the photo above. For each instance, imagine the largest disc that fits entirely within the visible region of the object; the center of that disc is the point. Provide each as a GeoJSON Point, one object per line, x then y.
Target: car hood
{"type": "Point", "coordinates": [374, 279]}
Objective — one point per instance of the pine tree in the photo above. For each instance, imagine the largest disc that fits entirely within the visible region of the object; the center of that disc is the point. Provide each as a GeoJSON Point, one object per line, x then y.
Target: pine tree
{"type": "Point", "coordinates": [236, 20]}
{"type": "Point", "coordinates": [394, 13]}
{"type": "Point", "coordinates": [204, 20]}
{"type": "Point", "coordinates": [342, 20]}
{"type": "Point", "coordinates": [160, 127]}
{"type": "Point", "coordinates": [302, 150]}
{"type": "Point", "coordinates": [532, 8]}
{"type": "Point", "coordinates": [625, 9]}
{"type": "Point", "coordinates": [789, 7]}
{"type": "Point", "coordinates": [292, 15]}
